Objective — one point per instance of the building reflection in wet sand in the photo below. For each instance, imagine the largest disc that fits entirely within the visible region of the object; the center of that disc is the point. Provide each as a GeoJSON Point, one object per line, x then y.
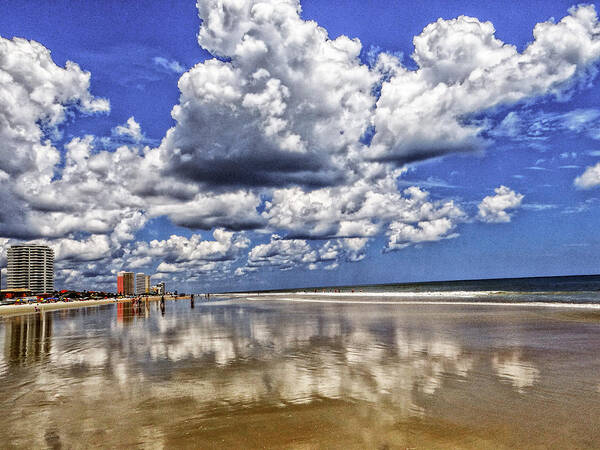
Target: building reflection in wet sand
{"type": "Point", "coordinates": [403, 364]}
{"type": "Point", "coordinates": [27, 339]}
{"type": "Point", "coordinates": [128, 311]}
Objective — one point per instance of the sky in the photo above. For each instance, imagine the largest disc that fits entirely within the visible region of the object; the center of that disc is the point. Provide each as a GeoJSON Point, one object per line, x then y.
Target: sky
{"type": "Point", "coordinates": [263, 144]}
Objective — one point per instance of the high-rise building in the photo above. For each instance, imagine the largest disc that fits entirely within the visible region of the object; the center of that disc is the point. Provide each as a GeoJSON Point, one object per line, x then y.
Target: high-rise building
{"type": "Point", "coordinates": [139, 283]}
{"type": "Point", "coordinates": [125, 283]}
{"type": "Point", "coordinates": [142, 283]}
{"type": "Point", "coordinates": [120, 282]}
{"type": "Point", "coordinates": [30, 267]}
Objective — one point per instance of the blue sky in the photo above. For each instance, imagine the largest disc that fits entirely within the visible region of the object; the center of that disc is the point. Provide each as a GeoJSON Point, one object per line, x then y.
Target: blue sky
{"type": "Point", "coordinates": [279, 145]}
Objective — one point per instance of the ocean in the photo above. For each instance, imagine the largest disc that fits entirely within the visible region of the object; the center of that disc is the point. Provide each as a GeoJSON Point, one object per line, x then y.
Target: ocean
{"type": "Point", "coordinates": [578, 289]}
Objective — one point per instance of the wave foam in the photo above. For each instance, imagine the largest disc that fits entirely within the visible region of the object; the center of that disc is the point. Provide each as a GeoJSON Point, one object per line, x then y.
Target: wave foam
{"type": "Point", "coordinates": [461, 294]}
{"type": "Point", "coordinates": [594, 306]}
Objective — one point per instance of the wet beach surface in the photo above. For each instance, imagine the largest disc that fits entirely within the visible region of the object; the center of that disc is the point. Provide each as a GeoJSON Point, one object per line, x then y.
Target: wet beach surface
{"type": "Point", "coordinates": [270, 373]}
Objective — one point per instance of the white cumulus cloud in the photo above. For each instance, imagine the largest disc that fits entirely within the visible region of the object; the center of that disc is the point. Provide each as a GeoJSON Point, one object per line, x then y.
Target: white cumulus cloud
{"type": "Point", "coordinates": [288, 108]}
{"type": "Point", "coordinates": [464, 69]}
{"type": "Point", "coordinates": [280, 122]}
{"type": "Point", "coordinates": [493, 208]}
{"type": "Point", "coordinates": [131, 129]}
{"type": "Point", "coordinates": [590, 178]}
{"type": "Point", "coordinates": [189, 256]}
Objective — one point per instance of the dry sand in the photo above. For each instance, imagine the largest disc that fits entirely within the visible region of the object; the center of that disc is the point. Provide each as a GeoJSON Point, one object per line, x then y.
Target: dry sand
{"type": "Point", "coordinates": [13, 310]}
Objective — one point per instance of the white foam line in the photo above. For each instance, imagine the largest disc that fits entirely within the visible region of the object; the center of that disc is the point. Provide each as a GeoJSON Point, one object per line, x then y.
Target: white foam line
{"type": "Point", "coordinates": [415, 302]}
{"type": "Point", "coordinates": [467, 294]}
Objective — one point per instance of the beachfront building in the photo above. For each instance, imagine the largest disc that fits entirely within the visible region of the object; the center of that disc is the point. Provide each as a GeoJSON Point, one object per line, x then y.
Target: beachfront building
{"type": "Point", "coordinates": [139, 283]}
{"type": "Point", "coordinates": [125, 283]}
{"type": "Point", "coordinates": [30, 267]}
{"type": "Point", "coordinates": [159, 289]}
{"type": "Point", "coordinates": [142, 283]}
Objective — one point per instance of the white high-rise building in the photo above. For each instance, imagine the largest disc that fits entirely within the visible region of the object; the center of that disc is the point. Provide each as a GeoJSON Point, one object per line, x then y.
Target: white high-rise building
{"type": "Point", "coordinates": [142, 283]}
{"type": "Point", "coordinates": [30, 267]}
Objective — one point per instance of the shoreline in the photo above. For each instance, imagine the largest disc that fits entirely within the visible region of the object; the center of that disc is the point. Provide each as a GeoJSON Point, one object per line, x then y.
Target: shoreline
{"type": "Point", "coordinates": [442, 303]}
{"type": "Point", "coordinates": [411, 294]}
{"type": "Point", "coordinates": [403, 299]}
{"type": "Point", "coordinates": [29, 308]}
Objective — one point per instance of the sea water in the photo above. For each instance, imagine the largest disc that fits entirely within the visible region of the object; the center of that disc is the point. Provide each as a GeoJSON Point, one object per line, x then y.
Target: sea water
{"type": "Point", "coordinates": [566, 289]}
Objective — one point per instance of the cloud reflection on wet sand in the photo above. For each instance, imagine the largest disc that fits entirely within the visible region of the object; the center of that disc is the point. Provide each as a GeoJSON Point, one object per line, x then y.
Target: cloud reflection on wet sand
{"type": "Point", "coordinates": [144, 374]}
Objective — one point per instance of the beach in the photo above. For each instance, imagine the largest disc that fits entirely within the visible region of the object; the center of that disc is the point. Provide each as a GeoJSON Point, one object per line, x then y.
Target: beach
{"type": "Point", "coordinates": [29, 308]}
{"type": "Point", "coordinates": [385, 215]}
{"type": "Point", "coordinates": [254, 372]}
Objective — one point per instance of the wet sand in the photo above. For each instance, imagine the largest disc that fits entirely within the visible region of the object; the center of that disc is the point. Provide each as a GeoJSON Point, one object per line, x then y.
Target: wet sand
{"type": "Point", "coordinates": [236, 373]}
